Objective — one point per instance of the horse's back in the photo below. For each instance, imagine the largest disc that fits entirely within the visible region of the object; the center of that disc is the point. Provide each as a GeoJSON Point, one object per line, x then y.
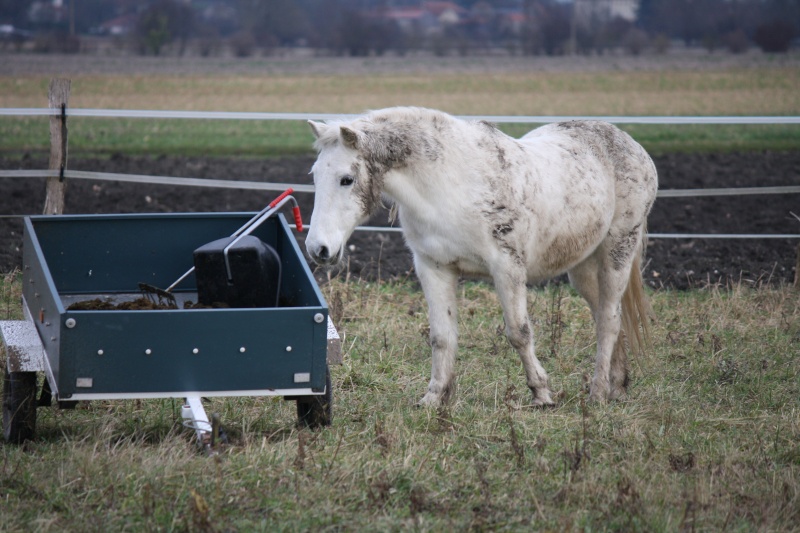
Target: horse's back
{"type": "Point", "coordinates": [596, 182]}
{"type": "Point", "coordinates": [584, 146]}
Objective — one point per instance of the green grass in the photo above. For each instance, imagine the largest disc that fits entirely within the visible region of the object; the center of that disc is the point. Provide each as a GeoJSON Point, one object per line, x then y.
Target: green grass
{"type": "Point", "coordinates": [707, 440]}
{"type": "Point", "coordinates": [213, 138]}
{"type": "Point", "coordinates": [225, 138]}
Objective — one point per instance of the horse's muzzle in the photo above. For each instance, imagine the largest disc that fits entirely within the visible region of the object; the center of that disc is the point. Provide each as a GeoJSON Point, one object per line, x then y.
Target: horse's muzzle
{"type": "Point", "coordinates": [322, 255]}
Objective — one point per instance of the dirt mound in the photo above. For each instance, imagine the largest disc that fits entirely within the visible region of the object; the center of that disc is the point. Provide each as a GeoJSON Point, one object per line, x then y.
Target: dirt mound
{"type": "Point", "coordinates": [676, 263]}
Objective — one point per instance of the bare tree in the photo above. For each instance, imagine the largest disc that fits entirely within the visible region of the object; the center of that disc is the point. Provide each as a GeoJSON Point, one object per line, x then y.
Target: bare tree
{"type": "Point", "coordinates": [162, 23]}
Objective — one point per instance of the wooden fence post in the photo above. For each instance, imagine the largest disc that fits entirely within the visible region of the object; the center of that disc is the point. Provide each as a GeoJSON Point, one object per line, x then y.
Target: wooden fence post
{"type": "Point", "coordinates": [58, 98]}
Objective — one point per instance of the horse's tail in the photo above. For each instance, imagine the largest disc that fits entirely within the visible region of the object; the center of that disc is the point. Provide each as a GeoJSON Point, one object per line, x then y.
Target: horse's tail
{"type": "Point", "coordinates": [636, 310]}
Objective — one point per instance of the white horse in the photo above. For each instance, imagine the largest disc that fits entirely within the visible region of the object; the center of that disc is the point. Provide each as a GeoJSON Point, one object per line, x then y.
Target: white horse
{"type": "Point", "coordinates": [572, 196]}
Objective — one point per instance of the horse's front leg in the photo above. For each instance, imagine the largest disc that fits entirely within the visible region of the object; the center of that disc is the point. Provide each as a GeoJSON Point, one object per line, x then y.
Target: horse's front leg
{"type": "Point", "coordinates": [512, 290]}
{"type": "Point", "coordinates": [439, 285]}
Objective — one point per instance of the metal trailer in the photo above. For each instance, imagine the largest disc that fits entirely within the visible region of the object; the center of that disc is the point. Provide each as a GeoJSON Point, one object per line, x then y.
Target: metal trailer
{"type": "Point", "coordinates": [186, 353]}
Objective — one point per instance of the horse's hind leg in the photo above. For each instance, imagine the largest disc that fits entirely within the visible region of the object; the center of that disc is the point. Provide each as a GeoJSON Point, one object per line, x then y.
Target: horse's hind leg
{"type": "Point", "coordinates": [603, 286]}
{"type": "Point", "coordinates": [513, 295]}
{"type": "Point", "coordinates": [439, 285]}
{"type": "Point", "coordinates": [619, 371]}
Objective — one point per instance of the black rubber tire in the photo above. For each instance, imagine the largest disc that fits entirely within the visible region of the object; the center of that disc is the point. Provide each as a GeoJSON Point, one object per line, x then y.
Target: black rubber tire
{"type": "Point", "coordinates": [19, 406]}
{"type": "Point", "coordinates": [316, 411]}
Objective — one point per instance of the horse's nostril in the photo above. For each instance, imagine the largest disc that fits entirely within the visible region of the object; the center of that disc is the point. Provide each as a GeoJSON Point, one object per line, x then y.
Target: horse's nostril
{"type": "Point", "coordinates": [323, 253]}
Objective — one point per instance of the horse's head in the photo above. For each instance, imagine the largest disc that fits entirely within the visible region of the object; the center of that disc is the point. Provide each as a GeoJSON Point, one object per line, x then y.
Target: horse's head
{"type": "Point", "coordinates": [348, 189]}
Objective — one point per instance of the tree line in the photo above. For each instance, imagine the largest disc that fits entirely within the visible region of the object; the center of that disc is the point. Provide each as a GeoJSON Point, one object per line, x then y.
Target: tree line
{"type": "Point", "coordinates": [360, 27]}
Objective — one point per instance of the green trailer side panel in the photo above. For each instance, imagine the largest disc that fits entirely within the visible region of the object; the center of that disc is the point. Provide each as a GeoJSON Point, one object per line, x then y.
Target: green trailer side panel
{"type": "Point", "coordinates": [97, 352]}
{"type": "Point", "coordinates": [196, 350]}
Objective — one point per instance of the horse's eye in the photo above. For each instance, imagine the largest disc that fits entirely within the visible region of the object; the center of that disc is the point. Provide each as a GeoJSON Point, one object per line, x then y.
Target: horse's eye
{"type": "Point", "coordinates": [346, 181]}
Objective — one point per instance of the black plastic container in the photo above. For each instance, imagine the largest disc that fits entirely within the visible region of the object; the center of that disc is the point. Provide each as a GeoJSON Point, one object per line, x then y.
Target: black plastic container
{"type": "Point", "coordinates": [250, 276]}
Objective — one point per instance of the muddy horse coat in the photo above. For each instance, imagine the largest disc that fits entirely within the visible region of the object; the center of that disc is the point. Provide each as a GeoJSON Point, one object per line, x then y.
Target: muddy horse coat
{"type": "Point", "coordinates": [568, 197]}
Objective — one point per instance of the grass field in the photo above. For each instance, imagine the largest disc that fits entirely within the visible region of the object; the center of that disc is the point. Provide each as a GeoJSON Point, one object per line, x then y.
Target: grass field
{"type": "Point", "coordinates": [755, 91]}
{"type": "Point", "coordinates": [708, 439]}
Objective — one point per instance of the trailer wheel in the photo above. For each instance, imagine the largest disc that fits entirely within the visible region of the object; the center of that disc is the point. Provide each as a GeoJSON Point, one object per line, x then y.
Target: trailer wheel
{"type": "Point", "coordinates": [19, 406]}
{"type": "Point", "coordinates": [316, 411]}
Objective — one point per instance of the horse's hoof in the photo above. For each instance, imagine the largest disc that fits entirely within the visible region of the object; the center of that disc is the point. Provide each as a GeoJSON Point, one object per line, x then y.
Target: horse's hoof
{"type": "Point", "coordinates": [597, 397]}
{"type": "Point", "coordinates": [600, 391]}
{"type": "Point", "coordinates": [541, 398]}
{"type": "Point", "coordinates": [430, 400]}
{"type": "Point", "coordinates": [618, 395]}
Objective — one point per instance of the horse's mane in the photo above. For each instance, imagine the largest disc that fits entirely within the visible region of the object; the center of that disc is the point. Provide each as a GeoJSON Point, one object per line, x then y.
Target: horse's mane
{"type": "Point", "coordinates": [377, 119]}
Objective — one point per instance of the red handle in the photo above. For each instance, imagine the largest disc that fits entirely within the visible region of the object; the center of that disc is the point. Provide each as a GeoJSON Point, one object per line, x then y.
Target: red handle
{"type": "Point", "coordinates": [298, 220]}
{"type": "Point", "coordinates": [283, 195]}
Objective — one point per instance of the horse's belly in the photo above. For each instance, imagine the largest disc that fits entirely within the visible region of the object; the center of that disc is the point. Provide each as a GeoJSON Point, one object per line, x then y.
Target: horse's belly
{"type": "Point", "coordinates": [564, 250]}
{"type": "Point", "coordinates": [563, 240]}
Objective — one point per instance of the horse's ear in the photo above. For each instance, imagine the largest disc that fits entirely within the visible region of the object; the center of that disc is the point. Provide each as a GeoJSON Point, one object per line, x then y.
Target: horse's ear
{"type": "Point", "coordinates": [350, 137]}
{"type": "Point", "coordinates": [317, 128]}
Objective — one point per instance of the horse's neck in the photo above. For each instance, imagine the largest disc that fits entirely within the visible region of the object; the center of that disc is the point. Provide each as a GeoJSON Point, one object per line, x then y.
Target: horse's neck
{"type": "Point", "coordinates": [425, 181]}
{"type": "Point", "coordinates": [420, 192]}
{"type": "Point", "coordinates": [403, 187]}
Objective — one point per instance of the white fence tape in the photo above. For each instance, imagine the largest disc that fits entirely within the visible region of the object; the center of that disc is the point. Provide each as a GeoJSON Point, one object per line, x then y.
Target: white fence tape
{"type": "Point", "coordinates": [732, 191]}
{"type": "Point", "coordinates": [257, 185]}
{"type": "Point", "coordinates": [301, 188]}
{"type": "Point", "coordinates": [499, 119]}
{"type": "Point", "coordinates": [157, 180]}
